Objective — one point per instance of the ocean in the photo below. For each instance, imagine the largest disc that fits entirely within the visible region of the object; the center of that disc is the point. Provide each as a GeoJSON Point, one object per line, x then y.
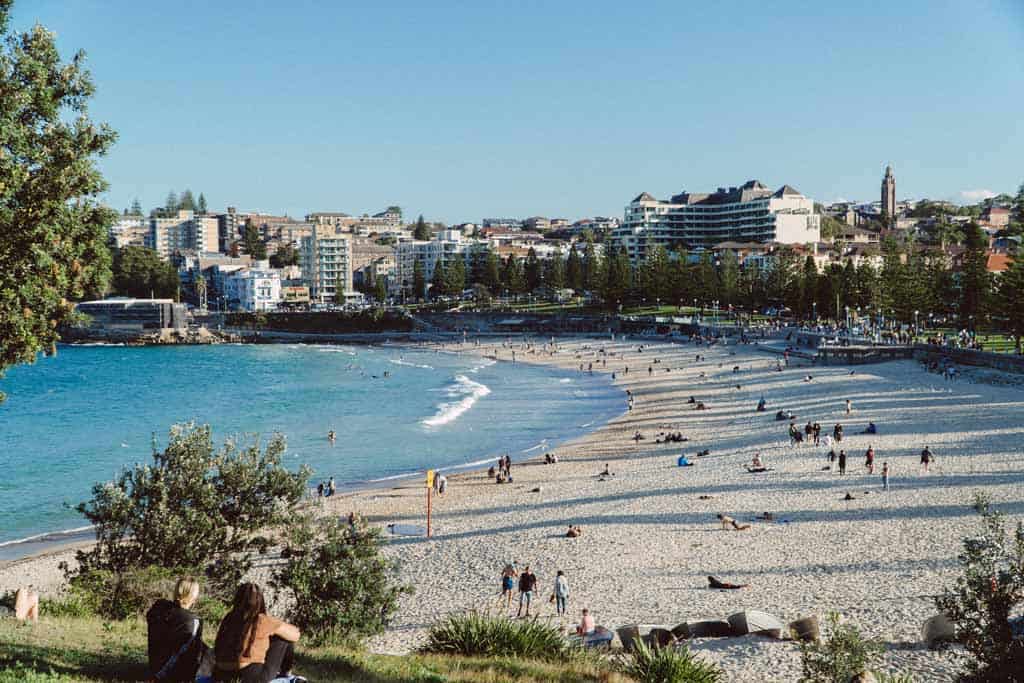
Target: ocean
{"type": "Point", "coordinates": [78, 418]}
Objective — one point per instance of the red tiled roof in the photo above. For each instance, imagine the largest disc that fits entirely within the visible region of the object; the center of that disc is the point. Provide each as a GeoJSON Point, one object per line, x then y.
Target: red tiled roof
{"type": "Point", "coordinates": [997, 263]}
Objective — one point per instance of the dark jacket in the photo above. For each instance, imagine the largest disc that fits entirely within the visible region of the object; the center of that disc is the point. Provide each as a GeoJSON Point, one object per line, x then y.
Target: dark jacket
{"type": "Point", "coordinates": [175, 642]}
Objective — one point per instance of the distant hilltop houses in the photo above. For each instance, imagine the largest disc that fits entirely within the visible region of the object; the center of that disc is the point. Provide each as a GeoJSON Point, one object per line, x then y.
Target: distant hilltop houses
{"type": "Point", "coordinates": [236, 260]}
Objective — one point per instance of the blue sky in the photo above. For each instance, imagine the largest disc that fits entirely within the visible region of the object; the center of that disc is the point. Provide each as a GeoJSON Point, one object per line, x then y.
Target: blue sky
{"type": "Point", "coordinates": [472, 109]}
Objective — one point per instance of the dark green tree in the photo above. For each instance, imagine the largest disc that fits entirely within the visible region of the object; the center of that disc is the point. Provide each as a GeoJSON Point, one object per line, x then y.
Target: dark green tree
{"type": "Point", "coordinates": [808, 287]}
{"type": "Point", "coordinates": [140, 272]}
{"type": "Point", "coordinates": [419, 280]}
{"type": "Point", "coordinates": [729, 277]}
{"type": "Point", "coordinates": [439, 280]}
{"type": "Point", "coordinates": [53, 230]}
{"type": "Point", "coordinates": [514, 275]}
{"type": "Point", "coordinates": [192, 506]}
{"type": "Point", "coordinates": [554, 271]}
{"type": "Point", "coordinates": [380, 290]}
{"type": "Point", "coordinates": [421, 231]}
{"type": "Point", "coordinates": [341, 586]}
{"type": "Point", "coordinates": [1011, 300]}
{"type": "Point", "coordinates": [339, 289]}
{"type": "Point", "coordinates": [201, 204]}
{"type": "Point", "coordinates": [136, 209]}
{"type": "Point", "coordinates": [286, 255]}
{"type": "Point", "coordinates": [253, 243]}
{"type": "Point", "coordinates": [478, 269]}
{"type": "Point", "coordinates": [574, 271]}
{"type": "Point", "coordinates": [706, 285]}
{"type": "Point", "coordinates": [533, 271]}
{"type": "Point", "coordinates": [618, 279]}
{"type": "Point", "coordinates": [187, 202]}
{"type": "Point", "coordinates": [492, 273]}
{"type": "Point", "coordinates": [975, 282]}
{"type": "Point", "coordinates": [455, 276]}
{"type": "Point", "coordinates": [171, 204]}
{"type": "Point", "coordinates": [592, 276]}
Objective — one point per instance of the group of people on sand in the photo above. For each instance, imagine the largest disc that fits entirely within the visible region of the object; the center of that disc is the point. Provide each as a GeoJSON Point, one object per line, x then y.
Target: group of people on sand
{"type": "Point", "coordinates": [326, 489]}
{"type": "Point", "coordinates": [251, 646]}
{"type": "Point", "coordinates": [503, 475]}
{"type": "Point", "coordinates": [526, 582]}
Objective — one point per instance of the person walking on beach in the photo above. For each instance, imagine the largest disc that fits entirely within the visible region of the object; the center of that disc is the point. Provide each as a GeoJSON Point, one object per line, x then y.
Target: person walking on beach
{"type": "Point", "coordinates": [849, 406]}
{"type": "Point", "coordinates": [527, 582]}
{"type": "Point", "coordinates": [816, 430]}
{"type": "Point", "coordinates": [926, 459]}
{"type": "Point", "coordinates": [508, 582]}
{"type": "Point", "coordinates": [869, 460]}
{"type": "Point", "coordinates": [842, 462]}
{"type": "Point", "coordinates": [837, 433]}
{"type": "Point", "coordinates": [331, 487]}
{"type": "Point", "coordinates": [885, 476]}
{"type": "Point", "coordinates": [561, 593]}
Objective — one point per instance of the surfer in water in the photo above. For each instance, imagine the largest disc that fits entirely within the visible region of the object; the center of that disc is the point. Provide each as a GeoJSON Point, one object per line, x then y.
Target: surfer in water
{"type": "Point", "coordinates": [332, 437]}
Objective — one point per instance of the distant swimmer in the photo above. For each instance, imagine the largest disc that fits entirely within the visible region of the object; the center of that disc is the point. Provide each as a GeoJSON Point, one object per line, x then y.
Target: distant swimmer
{"type": "Point", "coordinates": [331, 436]}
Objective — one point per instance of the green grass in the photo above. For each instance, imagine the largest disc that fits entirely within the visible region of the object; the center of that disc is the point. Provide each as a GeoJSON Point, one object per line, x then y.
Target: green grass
{"type": "Point", "coordinates": [90, 650]}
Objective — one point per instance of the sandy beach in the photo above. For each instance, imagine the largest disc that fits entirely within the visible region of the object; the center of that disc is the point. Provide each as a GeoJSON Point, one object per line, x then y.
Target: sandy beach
{"type": "Point", "coordinates": [650, 534]}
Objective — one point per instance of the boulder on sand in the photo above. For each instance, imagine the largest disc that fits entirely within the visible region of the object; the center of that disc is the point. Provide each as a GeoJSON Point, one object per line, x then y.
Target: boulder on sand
{"type": "Point", "coordinates": [805, 629]}
{"type": "Point", "coordinates": [709, 628]}
{"type": "Point", "coordinates": [754, 622]}
{"type": "Point", "coordinates": [937, 631]}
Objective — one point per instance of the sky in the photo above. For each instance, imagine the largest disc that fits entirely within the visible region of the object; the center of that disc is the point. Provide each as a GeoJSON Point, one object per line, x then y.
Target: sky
{"type": "Point", "coordinates": [466, 110]}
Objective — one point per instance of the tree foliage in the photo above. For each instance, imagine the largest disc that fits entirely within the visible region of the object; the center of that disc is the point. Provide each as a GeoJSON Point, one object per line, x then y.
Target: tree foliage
{"type": "Point", "coordinates": [53, 231]}
{"type": "Point", "coordinates": [192, 505]}
{"type": "Point", "coordinates": [140, 272]}
{"type": "Point", "coordinates": [421, 231]}
{"type": "Point", "coordinates": [340, 586]}
{"type": "Point", "coordinates": [989, 590]}
{"type": "Point", "coordinates": [1011, 300]}
{"type": "Point", "coordinates": [286, 255]}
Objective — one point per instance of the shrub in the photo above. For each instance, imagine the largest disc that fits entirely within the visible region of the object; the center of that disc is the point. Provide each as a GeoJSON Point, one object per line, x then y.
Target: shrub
{"type": "Point", "coordinates": [482, 635]}
{"type": "Point", "coordinates": [845, 654]}
{"type": "Point", "coordinates": [667, 665]}
{"type": "Point", "coordinates": [341, 586]}
{"type": "Point", "coordinates": [981, 601]}
{"type": "Point", "coordinates": [132, 592]}
{"type": "Point", "coordinates": [192, 507]}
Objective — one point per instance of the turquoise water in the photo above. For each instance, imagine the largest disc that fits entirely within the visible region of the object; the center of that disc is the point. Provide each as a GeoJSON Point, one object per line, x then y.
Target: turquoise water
{"type": "Point", "coordinates": [75, 419]}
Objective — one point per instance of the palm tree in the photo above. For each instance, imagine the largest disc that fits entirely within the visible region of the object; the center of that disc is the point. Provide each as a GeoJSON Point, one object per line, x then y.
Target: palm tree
{"type": "Point", "coordinates": [201, 291]}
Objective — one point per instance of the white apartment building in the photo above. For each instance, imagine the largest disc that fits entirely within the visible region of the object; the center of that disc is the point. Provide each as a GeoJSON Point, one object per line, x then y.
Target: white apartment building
{"type": "Point", "coordinates": [446, 246]}
{"type": "Point", "coordinates": [326, 258]}
{"type": "Point", "coordinates": [185, 232]}
{"type": "Point", "coordinates": [129, 231]}
{"type": "Point", "coordinates": [749, 213]}
{"type": "Point", "coordinates": [597, 225]}
{"type": "Point", "coordinates": [253, 290]}
{"type": "Point", "coordinates": [378, 222]}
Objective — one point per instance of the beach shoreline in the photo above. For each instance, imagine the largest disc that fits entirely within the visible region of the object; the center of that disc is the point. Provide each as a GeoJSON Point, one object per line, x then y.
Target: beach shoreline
{"type": "Point", "coordinates": [650, 537]}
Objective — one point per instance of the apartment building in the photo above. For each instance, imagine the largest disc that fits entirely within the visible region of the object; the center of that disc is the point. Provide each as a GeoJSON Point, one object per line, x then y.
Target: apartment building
{"type": "Point", "coordinates": [749, 213]}
{"type": "Point", "coordinates": [385, 221]}
{"type": "Point", "coordinates": [326, 259]}
{"type": "Point", "coordinates": [446, 246]}
{"type": "Point", "coordinates": [253, 290]}
{"type": "Point", "coordinates": [129, 231]}
{"type": "Point", "coordinates": [184, 232]}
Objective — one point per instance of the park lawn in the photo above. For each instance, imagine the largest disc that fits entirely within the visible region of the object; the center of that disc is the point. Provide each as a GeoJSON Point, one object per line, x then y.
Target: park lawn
{"type": "Point", "coordinates": [92, 650]}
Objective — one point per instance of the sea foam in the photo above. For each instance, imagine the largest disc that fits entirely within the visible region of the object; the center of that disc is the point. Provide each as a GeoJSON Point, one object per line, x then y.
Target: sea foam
{"type": "Point", "coordinates": [467, 391]}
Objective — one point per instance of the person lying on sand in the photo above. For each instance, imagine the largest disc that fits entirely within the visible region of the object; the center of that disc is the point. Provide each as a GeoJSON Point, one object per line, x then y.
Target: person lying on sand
{"type": "Point", "coordinates": [729, 521]}
{"type": "Point", "coordinates": [606, 472]}
{"type": "Point", "coordinates": [722, 585]}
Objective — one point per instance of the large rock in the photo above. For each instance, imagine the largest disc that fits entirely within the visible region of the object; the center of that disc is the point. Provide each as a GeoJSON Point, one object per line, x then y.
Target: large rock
{"type": "Point", "coordinates": [709, 628]}
{"type": "Point", "coordinates": [937, 631]}
{"type": "Point", "coordinates": [757, 623]}
{"type": "Point", "coordinates": [806, 629]}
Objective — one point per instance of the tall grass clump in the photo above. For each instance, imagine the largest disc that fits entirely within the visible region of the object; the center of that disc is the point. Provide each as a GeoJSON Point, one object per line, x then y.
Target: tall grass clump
{"type": "Point", "coordinates": [484, 635]}
{"type": "Point", "coordinates": [668, 665]}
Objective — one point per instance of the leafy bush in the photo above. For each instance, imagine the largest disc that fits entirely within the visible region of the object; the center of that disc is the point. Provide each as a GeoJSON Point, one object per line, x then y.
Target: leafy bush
{"type": "Point", "coordinates": [845, 654]}
{"type": "Point", "coordinates": [981, 601]}
{"type": "Point", "coordinates": [121, 595]}
{"type": "Point", "coordinates": [341, 586]}
{"type": "Point", "coordinates": [482, 635]}
{"type": "Point", "coordinates": [667, 665]}
{"type": "Point", "coordinates": [192, 507]}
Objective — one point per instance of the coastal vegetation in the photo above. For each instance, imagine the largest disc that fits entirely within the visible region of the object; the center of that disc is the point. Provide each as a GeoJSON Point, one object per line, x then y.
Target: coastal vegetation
{"type": "Point", "coordinates": [53, 229]}
{"type": "Point", "coordinates": [486, 635]}
{"type": "Point", "coordinates": [335, 322]}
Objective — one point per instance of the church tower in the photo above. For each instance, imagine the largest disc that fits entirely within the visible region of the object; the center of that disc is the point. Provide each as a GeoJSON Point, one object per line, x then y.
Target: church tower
{"type": "Point", "coordinates": [889, 194]}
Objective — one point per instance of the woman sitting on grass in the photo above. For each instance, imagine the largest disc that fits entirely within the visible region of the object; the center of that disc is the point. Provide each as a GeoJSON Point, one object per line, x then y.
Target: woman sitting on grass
{"type": "Point", "coordinates": [252, 646]}
{"type": "Point", "coordinates": [175, 635]}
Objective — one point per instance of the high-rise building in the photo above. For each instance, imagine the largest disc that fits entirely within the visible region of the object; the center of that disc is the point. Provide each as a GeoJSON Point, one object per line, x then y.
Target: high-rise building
{"type": "Point", "coordinates": [326, 258]}
{"type": "Point", "coordinates": [185, 232]}
{"type": "Point", "coordinates": [749, 213]}
{"type": "Point", "coordinates": [889, 194]}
